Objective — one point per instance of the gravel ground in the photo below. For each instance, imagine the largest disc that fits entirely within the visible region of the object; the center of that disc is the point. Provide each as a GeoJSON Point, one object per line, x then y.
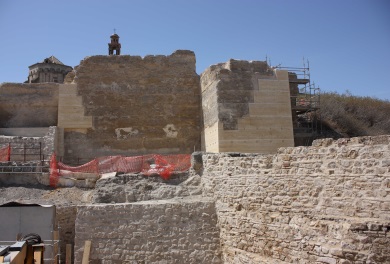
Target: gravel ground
{"type": "Point", "coordinates": [119, 189]}
{"type": "Point", "coordinates": [45, 195]}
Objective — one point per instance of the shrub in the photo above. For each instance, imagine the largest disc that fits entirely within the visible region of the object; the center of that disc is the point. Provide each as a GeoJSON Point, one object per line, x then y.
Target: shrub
{"type": "Point", "coordinates": [351, 116]}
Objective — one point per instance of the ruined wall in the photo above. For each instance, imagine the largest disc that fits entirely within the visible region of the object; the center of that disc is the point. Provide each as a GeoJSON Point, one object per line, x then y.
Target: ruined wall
{"type": "Point", "coordinates": [26, 148]}
{"type": "Point", "coordinates": [136, 106]}
{"type": "Point", "coordinates": [246, 108]}
{"type": "Point", "coordinates": [329, 203]}
{"type": "Point", "coordinates": [66, 218]}
{"type": "Point", "coordinates": [165, 231]}
{"type": "Point", "coordinates": [28, 105]}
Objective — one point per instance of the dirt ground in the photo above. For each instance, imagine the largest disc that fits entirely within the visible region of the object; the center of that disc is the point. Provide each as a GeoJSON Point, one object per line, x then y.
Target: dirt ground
{"type": "Point", "coordinates": [45, 195]}
{"type": "Point", "coordinates": [118, 189]}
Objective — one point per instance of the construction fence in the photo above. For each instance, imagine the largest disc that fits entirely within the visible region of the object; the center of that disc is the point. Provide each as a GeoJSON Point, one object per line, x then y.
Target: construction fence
{"type": "Point", "coordinates": [5, 153]}
{"type": "Point", "coordinates": [153, 164]}
{"type": "Point", "coordinates": [21, 151]}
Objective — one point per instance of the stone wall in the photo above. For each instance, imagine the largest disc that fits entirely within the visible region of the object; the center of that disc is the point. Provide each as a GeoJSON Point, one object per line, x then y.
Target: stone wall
{"type": "Point", "coordinates": [28, 105]}
{"type": "Point", "coordinates": [66, 218]}
{"type": "Point", "coordinates": [136, 106]}
{"type": "Point", "coordinates": [26, 148]}
{"type": "Point", "coordinates": [246, 108]}
{"type": "Point", "coordinates": [328, 203]}
{"type": "Point", "coordinates": [165, 231]}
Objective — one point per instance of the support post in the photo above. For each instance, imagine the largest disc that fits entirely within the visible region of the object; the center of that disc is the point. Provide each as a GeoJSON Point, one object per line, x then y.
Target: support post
{"type": "Point", "coordinates": [68, 258]}
{"type": "Point", "coordinates": [87, 249]}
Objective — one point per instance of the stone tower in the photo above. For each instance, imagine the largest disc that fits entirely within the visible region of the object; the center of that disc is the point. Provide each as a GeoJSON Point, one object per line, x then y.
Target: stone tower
{"type": "Point", "coordinates": [114, 45]}
{"type": "Point", "coordinates": [49, 70]}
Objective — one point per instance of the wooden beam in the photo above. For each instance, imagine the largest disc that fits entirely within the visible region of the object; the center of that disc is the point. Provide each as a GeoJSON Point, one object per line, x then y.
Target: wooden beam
{"type": "Point", "coordinates": [38, 255]}
{"type": "Point", "coordinates": [87, 249]}
{"type": "Point", "coordinates": [68, 258]}
{"type": "Point", "coordinates": [56, 236]}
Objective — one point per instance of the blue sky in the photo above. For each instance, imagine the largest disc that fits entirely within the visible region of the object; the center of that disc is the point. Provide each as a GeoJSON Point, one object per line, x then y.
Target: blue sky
{"type": "Point", "coordinates": [347, 42]}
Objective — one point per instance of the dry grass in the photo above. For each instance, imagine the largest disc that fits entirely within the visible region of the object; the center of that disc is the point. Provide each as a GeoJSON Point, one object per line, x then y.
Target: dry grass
{"type": "Point", "coordinates": [350, 116]}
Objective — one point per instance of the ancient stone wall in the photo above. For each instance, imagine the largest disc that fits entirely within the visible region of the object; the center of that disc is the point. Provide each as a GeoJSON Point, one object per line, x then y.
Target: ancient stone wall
{"type": "Point", "coordinates": [66, 218]}
{"type": "Point", "coordinates": [137, 106]}
{"type": "Point", "coordinates": [25, 148]}
{"type": "Point", "coordinates": [165, 231]}
{"type": "Point", "coordinates": [28, 105]}
{"type": "Point", "coordinates": [328, 203]}
{"type": "Point", "coordinates": [246, 108]}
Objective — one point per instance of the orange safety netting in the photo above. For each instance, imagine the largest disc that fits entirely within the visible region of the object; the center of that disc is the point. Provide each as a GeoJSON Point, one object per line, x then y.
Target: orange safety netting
{"type": "Point", "coordinates": [5, 153]}
{"type": "Point", "coordinates": [54, 175]}
{"type": "Point", "coordinates": [148, 165]}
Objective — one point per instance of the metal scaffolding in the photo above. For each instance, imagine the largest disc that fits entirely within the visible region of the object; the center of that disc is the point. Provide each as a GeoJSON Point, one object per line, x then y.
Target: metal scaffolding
{"type": "Point", "coordinates": [305, 103]}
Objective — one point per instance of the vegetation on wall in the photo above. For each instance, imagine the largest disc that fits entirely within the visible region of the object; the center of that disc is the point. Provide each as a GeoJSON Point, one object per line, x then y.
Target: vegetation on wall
{"type": "Point", "coordinates": [345, 115]}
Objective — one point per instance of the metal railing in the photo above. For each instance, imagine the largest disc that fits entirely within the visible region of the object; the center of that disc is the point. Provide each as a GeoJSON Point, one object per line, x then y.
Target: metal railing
{"type": "Point", "coordinates": [23, 169]}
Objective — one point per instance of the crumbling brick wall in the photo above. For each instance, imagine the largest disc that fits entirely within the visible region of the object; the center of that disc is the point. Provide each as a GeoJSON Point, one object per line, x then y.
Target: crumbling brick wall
{"type": "Point", "coordinates": [326, 203]}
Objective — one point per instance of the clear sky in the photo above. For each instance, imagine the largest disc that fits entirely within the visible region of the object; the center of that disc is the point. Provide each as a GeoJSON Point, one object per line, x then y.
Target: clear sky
{"type": "Point", "coordinates": [347, 42]}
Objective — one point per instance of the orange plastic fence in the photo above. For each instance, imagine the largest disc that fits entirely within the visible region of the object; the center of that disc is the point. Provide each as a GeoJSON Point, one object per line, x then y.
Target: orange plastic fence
{"type": "Point", "coordinates": [54, 175]}
{"type": "Point", "coordinates": [5, 153]}
{"type": "Point", "coordinates": [148, 165]}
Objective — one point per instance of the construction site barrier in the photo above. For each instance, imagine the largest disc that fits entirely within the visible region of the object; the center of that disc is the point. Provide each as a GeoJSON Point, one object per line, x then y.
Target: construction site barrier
{"type": "Point", "coordinates": [5, 153]}
{"type": "Point", "coordinates": [161, 165]}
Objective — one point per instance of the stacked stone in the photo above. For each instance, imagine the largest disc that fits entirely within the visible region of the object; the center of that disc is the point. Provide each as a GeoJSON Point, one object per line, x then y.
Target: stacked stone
{"type": "Point", "coordinates": [66, 217]}
{"type": "Point", "coordinates": [328, 203]}
{"type": "Point", "coordinates": [167, 231]}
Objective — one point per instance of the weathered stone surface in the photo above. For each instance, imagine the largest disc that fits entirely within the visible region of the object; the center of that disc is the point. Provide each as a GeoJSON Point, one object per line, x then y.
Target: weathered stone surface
{"type": "Point", "coordinates": [328, 203]}
{"type": "Point", "coordinates": [228, 89]}
{"type": "Point", "coordinates": [165, 231]}
{"type": "Point", "coordinates": [138, 105]}
{"type": "Point", "coordinates": [246, 108]}
{"type": "Point", "coordinates": [28, 105]}
{"type": "Point", "coordinates": [32, 148]}
{"type": "Point", "coordinates": [128, 188]}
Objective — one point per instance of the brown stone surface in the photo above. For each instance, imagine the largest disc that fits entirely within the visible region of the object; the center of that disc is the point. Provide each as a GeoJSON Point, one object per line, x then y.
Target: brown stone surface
{"type": "Point", "coordinates": [138, 105]}
{"type": "Point", "coordinates": [28, 105]}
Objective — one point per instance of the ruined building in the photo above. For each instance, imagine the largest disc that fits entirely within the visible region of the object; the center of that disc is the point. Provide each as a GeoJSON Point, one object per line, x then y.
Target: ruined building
{"type": "Point", "coordinates": [157, 104]}
{"type": "Point", "coordinates": [270, 203]}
